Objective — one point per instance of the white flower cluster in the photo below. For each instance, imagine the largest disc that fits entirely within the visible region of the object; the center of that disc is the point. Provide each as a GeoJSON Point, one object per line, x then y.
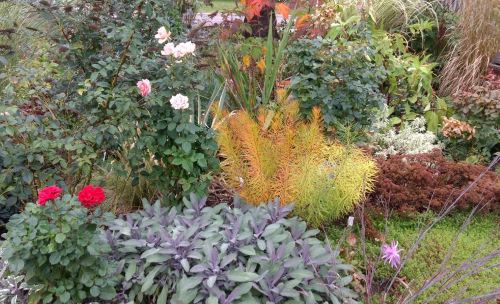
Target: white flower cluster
{"type": "Point", "coordinates": [412, 139]}
{"type": "Point", "coordinates": [179, 102]}
{"type": "Point", "coordinates": [180, 50]}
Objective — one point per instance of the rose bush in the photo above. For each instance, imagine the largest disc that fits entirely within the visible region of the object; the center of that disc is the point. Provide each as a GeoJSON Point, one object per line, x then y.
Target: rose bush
{"type": "Point", "coordinates": [83, 106]}
{"type": "Point", "coordinates": [56, 245]}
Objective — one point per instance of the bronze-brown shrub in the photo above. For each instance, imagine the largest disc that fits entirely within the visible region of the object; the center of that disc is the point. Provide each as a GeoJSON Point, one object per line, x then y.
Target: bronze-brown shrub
{"type": "Point", "coordinates": [409, 183]}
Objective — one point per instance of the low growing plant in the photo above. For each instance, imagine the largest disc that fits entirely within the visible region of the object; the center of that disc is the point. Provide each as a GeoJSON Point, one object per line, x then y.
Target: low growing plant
{"type": "Point", "coordinates": [412, 138]}
{"type": "Point", "coordinates": [416, 183]}
{"type": "Point", "coordinates": [56, 245]}
{"type": "Point", "coordinates": [13, 289]}
{"type": "Point", "coordinates": [222, 254]}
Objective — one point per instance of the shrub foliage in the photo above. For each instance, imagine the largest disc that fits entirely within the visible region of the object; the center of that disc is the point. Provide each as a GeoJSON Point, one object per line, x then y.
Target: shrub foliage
{"type": "Point", "coordinates": [410, 183]}
{"type": "Point", "coordinates": [59, 250]}
{"type": "Point", "coordinates": [220, 254]}
{"type": "Point", "coordinates": [277, 155]}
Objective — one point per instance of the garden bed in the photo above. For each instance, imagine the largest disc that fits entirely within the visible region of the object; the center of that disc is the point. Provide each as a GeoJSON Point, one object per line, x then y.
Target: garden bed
{"type": "Point", "coordinates": [279, 152]}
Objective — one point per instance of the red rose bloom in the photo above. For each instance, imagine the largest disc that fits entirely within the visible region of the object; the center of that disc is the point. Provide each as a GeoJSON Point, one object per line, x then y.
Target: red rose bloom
{"type": "Point", "coordinates": [91, 196]}
{"type": "Point", "coordinates": [48, 193]}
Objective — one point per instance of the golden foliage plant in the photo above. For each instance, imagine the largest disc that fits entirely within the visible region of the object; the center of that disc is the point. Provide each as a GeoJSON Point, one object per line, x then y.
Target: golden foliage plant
{"type": "Point", "coordinates": [278, 155]}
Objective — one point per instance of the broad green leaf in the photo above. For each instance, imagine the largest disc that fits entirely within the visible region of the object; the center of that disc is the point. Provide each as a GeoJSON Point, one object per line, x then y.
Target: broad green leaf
{"type": "Point", "coordinates": [242, 276]}
{"type": "Point", "coordinates": [149, 279]}
{"type": "Point", "coordinates": [60, 237]}
{"type": "Point", "coordinates": [130, 270]}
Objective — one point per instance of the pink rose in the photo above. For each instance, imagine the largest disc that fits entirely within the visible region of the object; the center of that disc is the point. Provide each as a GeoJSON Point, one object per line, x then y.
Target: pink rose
{"type": "Point", "coordinates": [162, 35]}
{"type": "Point", "coordinates": [168, 49]}
{"type": "Point", "coordinates": [144, 87]}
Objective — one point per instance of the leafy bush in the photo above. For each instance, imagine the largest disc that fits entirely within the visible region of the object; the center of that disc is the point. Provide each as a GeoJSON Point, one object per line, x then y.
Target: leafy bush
{"type": "Point", "coordinates": [413, 138]}
{"type": "Point", "coordinates": [185, 153]}
{"type": "Point", "coordinates": [478, 106]}
{"type": "Point", "coordinates": [281, 156]}
{"type": "Point", "coordinates": [78, 108]}
{"type": "Point", "coordinates": [338, 78]}
{"type": "Point", "coordinates": [411, 183]}
{"type": "Point", "coordinates": [13, 289]}
{"type": "Point", "coordinates": [225, 255]}
{"type": "Point", "coordinates": [57, 246]}
{"type": "Point", "coordinates": [351, 69]}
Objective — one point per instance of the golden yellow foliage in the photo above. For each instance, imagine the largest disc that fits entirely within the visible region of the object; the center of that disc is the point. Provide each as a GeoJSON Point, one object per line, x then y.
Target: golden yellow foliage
{"type": "Point", "coordinates": [279, 155]}
{"type": "Point", "coordinates": [261, 65]}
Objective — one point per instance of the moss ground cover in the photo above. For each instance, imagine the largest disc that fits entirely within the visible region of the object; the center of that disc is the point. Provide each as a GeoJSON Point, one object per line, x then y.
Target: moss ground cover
{"type": "Point", "coordinates": [480, 238]}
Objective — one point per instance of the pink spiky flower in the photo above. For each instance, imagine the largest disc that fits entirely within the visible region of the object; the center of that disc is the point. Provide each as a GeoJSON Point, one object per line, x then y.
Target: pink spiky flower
{"type": "Point", "coordinates": [390, 253]}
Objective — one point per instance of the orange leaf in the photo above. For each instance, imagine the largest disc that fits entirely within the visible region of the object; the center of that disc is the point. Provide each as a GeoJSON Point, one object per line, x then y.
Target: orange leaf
{"type": "Point", "coordinates": [283, 10]}
{"type": "Point", "coordinates": [261, 65]}
{"type": "Point", "coordinates": [302, 21]}
{"type": "Point", "coordinates": [254, 7]}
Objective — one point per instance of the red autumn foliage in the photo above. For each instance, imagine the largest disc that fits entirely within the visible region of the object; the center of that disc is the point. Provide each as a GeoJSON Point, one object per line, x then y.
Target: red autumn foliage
{"type": "Point", "coordinates": [414, 183]}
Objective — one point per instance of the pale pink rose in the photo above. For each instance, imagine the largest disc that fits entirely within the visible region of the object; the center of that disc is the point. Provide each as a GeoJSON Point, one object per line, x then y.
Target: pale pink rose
{"type": "Point", "coordinates": [187, 47]}
{"type": "Point", "coordinates": [144, 87]}
{"type": "Point", "coordinates": [179, 102]}
{"type": "Point", "coordinates": [168, 49]}
{"type": "Point", "coordinates": [178, 52]}
{"type": "Point", "coordinates": [162, 35]}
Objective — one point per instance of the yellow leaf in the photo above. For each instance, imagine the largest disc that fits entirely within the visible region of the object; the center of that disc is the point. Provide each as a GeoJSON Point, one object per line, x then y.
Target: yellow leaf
{"type": "Point", "coordinates": [246, 60]}
{"type": "Point", "coordinates": [261, 65]}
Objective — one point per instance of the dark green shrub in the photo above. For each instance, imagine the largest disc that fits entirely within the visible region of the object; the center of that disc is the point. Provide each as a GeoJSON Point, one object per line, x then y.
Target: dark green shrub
{"type": "Point", "coordinates": [184, 153]}
{"type": "Point", "coordinates": [339, 78]}
{"type": "Point", "coordinates": [78, 107]}
{"type": "Point", "coordinates": [355, 68]}
{"type": "Point", "coordinates": [225, 255]}
{"type": "Point", "coordinates": [58, 248]}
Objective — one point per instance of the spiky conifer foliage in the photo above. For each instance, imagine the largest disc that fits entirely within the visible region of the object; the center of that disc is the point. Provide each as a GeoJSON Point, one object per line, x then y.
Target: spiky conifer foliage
{"type": "Point", "coordinates": [279, 155]}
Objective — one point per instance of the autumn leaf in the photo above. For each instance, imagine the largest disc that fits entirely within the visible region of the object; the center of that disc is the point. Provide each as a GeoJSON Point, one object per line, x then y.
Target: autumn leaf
{"type": "Point", "coordinates": [246, 60]}
{"type": "Point", "coordinates": [302, 21]}
{"type": "Point", "coordinates": [283, 10]}
{"type": "Point", "coordinates": [261, 65]}
{"type": "Point", "coordinates": [254, 7]}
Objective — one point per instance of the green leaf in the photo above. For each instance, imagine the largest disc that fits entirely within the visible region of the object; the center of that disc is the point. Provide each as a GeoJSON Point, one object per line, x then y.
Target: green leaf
{"type": "Point", "coordinates": [242, 276]}
{"type": "Point", "coordinates": [94, 291]}
{"type": "Point", "coordinates": [185, 284]}
{"type": "Point", "coordinates": [149, 279]}
{"type": "Point", "coordinates": [108, 293]}
{"type": "Point", "coordinates": [60, 237]}
{"type": "Point", "coordinates": [212, 300]}
{"type": "Point", "coordinates": [64, 298]}
{"type": "Point", "coordinates": [27, 176]}
{"type": "Point", "coordinates": [130, 270]}
{"type": "Point", "coordinates": [186, 146]}
{"type": "Point", "coordinates": [162, 298]}
{"type": "Point", "coordinates": [247, 250]}
{"type": "Point", "coordinates": [432, 121]}
{"type": "Point", "coordinates": [301, 274]}
{"type": "Point", "coordinates": [55, 257]}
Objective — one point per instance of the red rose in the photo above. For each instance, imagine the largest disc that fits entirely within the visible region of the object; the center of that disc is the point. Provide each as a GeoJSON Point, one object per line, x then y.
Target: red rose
{"type": "Point", "coordinates": [48, 193]}
{"type": "Point", "coordinates": [91, 196]}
